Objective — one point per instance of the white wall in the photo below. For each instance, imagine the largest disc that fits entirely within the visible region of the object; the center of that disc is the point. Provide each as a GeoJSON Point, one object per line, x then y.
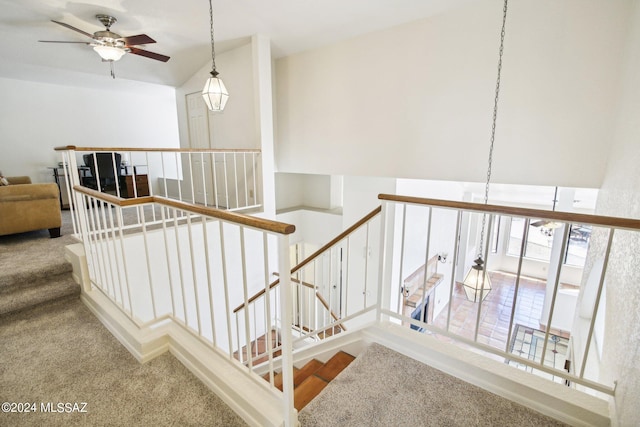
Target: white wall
{"type": "Point", "coordinates": [36, 117]}
{"type": "Point", "coordinates": [247, 120]}
{"type": "Point", "coordinates": [415, 101]}
{"type": "Point", "coordinates": [236, 126]}
{"type": "Point", "coordinates": [620, 196]}
{"type": "Point", "coordinates": [312, 191]}
{"type": "Point", "coordinates": [307, 229]}
{"type": "Point", "coordinates": [361, 196]}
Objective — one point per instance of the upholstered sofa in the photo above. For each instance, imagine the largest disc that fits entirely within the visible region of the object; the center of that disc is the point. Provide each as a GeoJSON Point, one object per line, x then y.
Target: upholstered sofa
{"type": "Point", "coordinates": [27, 207]}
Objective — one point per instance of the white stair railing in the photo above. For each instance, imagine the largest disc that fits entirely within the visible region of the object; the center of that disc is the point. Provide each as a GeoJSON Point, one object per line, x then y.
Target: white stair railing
{"type": "Point", "coordinates": [189, 267]}
{"type": "Point", "coordinates": [229, 179]}
{"type": "Point", "coordinates": [452, 228]}
{"type": "Point", "coordinates": [369, 273]}
{"type": "Point", "coordinates": [333, 289]}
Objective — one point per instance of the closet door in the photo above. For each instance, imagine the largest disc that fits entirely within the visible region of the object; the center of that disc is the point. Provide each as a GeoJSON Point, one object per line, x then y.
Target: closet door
{"type": "Point", "coordinates": [201, 164]}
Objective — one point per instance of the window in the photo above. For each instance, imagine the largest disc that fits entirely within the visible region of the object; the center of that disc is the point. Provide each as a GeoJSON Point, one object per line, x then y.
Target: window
{"type": "Point", "coordinates": [495, 233]}
{"type": "Point", "coordinates": [578, 244]}
{"type": "Point", "coordinates": [540, 240]}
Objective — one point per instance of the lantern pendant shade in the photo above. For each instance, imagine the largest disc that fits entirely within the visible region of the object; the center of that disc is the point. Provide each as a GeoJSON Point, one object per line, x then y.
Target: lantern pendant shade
{"type": "Point", "coordinates": [215, 93]}
{"type": "Point", "coordinates": [477, 284]}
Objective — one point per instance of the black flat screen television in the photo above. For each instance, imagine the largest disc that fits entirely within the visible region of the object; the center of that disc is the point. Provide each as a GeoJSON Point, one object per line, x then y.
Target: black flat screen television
{"type": "Point", "coordinates": [420, 313]}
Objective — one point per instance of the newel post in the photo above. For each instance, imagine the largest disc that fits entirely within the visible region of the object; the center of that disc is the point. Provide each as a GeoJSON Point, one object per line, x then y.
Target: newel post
{"type": "Point", "coordinates": [385, 262]}
{"type": "Point", "coordinates": [289, 411]}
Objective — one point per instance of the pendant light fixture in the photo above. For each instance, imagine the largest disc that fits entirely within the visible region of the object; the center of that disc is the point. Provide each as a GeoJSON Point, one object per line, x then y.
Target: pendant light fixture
{"type": "Point", "coordinates": [477, 284]}
{"type": "Point", "coordinates": [214, 93]}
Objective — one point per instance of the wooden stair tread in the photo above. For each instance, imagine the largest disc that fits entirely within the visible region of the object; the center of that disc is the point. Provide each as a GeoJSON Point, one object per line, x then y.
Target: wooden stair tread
{"type": "Point", "coordinates": [334, 366]}
{"type": "Point", "coordinates": [277, 378]}
{"type": "Point", "coordinates": [306, 371]}
{"type": "Point", "coordinates": [313, 377]}
{"type": "Point", "coordinates": [307, 390]}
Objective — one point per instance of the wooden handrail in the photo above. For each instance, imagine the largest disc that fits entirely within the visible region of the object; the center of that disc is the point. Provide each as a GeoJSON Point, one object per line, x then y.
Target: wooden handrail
{"type": "Point", "coordinates": [257, 295]}
{"type": "Point", "coordinates": [324, 303]}
{"type": "Point", "coordinates": [569, 217]}
{"type": "Point", "coordinates": [271, 286]}
{"type": "Point", "coordinates": [169, 150]}
{"type": "Point", "coordinates": [307, 260]}
{"type": "Point", "coordinates": [303, 283]}
{"type": "Point", "coordinates": [340, 236]}
{"type": "Point", "coordinates": [115, 200]}
{"type": "Point", "coordinates": [259, 223]}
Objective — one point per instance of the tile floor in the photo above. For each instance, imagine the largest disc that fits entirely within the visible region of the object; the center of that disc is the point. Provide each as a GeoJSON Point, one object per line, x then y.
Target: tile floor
{"type": "Point", "coordinates": [496, 310]}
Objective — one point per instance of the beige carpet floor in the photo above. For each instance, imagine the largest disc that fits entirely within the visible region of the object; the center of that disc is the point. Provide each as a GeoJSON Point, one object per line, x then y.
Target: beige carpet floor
{"type": "Point", "coordinates": [385, 388]}
{"type": "Point", "coordinates": [60, 353]}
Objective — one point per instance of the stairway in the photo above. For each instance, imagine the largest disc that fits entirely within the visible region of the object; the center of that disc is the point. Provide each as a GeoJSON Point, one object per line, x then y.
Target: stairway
{"type": "Point", "coordinates": [33, 272]}
{"type": "Point", "coordinates": [313, 377]}
{"type": "Point", "coordinates": [258, 349]}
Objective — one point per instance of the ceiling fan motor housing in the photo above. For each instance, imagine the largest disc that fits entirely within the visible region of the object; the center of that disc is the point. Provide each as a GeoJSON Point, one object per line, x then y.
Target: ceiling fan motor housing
{"type": "Point", "coordinates": [109, 38]}
{"type": "Point", "coordinates": [106, 20]}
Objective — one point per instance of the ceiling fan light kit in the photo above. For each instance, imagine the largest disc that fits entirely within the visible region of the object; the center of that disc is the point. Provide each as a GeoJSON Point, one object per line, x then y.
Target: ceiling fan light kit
{"type": "Point", "coordinates": [109, 53]}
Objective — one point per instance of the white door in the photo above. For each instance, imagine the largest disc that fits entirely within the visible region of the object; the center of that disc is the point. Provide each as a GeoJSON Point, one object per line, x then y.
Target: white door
{"type": "Point", "coordinates": [201, 163]}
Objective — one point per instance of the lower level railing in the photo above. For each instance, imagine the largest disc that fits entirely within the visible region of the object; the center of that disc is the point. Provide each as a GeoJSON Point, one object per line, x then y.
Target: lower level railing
{"type": "Point", "coordinates": [407, 262]}
{"type": "Point", "coordinates": [552, 326]}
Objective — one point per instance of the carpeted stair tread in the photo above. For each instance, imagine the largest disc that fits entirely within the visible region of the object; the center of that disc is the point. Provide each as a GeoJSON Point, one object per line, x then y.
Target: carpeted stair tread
{"type": "Point", "coordinates": [307, 390]}
{"type": "Point", "coordinates": [306, 371]}
{"type": "Point", "coordinates": [39, 292]}
{"type": "Point", "coordinates": [24, 279]}
{"type": "Point", "coordinates": [334, 366]}
{"type": "Point", "coordinates": [27, 257]}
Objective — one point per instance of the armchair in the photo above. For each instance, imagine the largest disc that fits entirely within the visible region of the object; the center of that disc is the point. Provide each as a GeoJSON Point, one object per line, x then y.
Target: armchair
{"type": "Point", "coordinates": [27, 207]}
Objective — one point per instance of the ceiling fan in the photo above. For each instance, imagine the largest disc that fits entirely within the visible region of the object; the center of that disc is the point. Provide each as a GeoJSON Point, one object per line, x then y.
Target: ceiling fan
{"type": "Point", "coordinates": [551, 225]}
{"type": "Point", "coordinates": [112, 46]}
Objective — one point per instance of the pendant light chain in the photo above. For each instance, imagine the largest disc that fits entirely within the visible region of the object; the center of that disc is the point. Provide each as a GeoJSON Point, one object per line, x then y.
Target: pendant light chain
{"type": "Point", "coordinates": [214, 93]}
{"type": "Point", "coordinates": [493, 124]}
{"type": "Point", "coordinates": [213, 51]}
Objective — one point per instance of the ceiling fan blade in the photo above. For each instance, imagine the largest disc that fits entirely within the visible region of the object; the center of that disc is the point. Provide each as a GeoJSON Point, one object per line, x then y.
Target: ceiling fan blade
{"type": "Point", "coordinates": [540, 223]}
{"type": "Point", "coordinates": [138, 39]}
{"type": "Point", "coordinates": [148, 54]}
{"type": "Point", "coordinates": [73, 28]}
{"type": "Point", "coordinates": [60, 41]}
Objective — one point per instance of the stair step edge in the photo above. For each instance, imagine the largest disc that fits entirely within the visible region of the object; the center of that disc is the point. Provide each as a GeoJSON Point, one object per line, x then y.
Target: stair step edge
{"type": "Point", "coordinates": [308, 390]}
{"type": "Point", "coordinates": [10, 283]}
{"type": "Point", "coordinates": [24, 299]}
{"type": "Point", "coordinates": [306, 371]}
{"type": "Point", "coordinates": [335, 365]}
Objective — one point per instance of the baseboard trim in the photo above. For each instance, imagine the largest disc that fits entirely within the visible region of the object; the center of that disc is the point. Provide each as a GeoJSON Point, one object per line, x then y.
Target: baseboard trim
{"type": "Point", "coordinates": [144, 345]}
{"type": "Point", "coordinates": [255, 404]}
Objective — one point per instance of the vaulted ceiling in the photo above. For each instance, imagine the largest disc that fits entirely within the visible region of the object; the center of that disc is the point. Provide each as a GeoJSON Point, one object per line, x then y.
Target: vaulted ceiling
{"type": "Point", "coordinates": [181, 31]}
